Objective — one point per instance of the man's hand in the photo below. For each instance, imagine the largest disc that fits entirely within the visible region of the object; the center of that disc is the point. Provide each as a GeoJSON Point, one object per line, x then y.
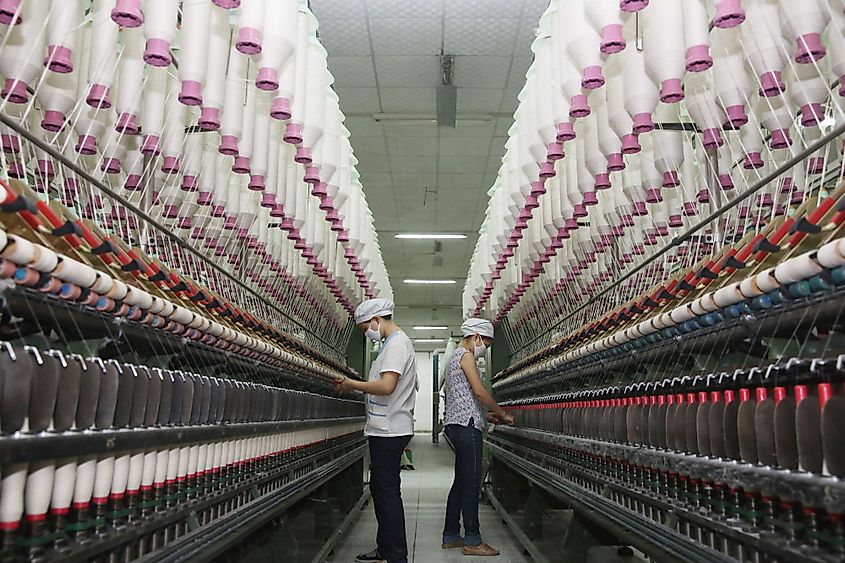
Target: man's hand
{"type": "Point", "coordinates": [344, 385]}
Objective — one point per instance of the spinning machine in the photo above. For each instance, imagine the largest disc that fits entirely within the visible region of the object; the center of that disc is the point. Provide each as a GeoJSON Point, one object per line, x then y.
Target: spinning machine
{"type": "Point", "coordinates": [182, 238]}
{"type": "Point", "coordinates": [663, 253]}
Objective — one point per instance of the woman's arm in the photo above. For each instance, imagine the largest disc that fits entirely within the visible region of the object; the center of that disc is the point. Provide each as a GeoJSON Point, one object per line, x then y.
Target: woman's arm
{"type": "Point", "coordinates": [385, 385]}
{"type": "Point", "coordinates": [481, 392]}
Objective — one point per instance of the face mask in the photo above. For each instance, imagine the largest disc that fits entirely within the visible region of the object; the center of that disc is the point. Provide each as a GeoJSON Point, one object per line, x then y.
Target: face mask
{"type": "Point", "coordinates": [374, 334]}
{"type": "Point", "coordinates": [480, 349]}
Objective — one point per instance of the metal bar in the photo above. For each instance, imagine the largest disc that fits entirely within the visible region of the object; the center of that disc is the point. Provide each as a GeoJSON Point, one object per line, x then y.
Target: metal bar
{"type": "Point", "coordinates": [338, 534]}
{"type": "Point", "coordinates": [128, 534]}
{"type": "Point", "coordinates": [653, 539]}
{"type": "Point", "coordinates": [52, 445]}
{"type": "Point", "coordinates": [49, 149]}
{"type": "Point", "coordinates": [825, 140]}
{"type": "Point", "coordinates": [523, 539]}
{"type": "Point", "coordinates": [206, 545]}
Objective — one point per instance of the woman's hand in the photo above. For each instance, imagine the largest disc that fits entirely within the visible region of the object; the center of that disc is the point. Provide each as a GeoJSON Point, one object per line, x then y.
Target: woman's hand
{"type": "Point", "coordinates": [344, 385]}
{"type": "Point", "coordinates": [509, 420]}
{"type": "Point", "coordinates": [493, 418]}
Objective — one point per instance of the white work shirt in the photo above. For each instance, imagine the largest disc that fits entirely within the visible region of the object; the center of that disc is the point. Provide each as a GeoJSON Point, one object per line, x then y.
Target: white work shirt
{"type": "Point", "coordinates": [391, 415]}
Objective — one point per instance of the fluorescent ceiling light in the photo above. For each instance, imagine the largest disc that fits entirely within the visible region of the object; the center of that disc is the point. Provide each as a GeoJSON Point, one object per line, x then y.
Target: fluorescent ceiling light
{"type": "Point", "coordinates": [431, 328]}
{"type": "Point", "coordinates": [429, 236]}
{"type": "Point", "coordinates": [430, 282]}
{"type": "Point", "coordinates": [428, 340]}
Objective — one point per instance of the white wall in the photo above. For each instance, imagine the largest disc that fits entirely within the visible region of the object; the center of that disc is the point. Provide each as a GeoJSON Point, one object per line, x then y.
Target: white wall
{"type": "Point", "coordinates": [422, 412]}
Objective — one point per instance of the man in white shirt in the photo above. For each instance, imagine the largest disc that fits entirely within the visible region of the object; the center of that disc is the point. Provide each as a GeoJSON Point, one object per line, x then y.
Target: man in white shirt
{"type": "Point", "coordinates": [391, 395]}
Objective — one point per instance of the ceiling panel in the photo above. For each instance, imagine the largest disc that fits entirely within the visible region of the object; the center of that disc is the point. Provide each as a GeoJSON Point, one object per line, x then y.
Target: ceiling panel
{"type": "Point", "coordinates": [465, 146]}
{"type": "Point", "coordinates": [343, 10]}
{"type": "Point", "coordinates": [413, 146]}
{"type": "Point", "coordinates": [376, 179]}
{"type": "Point", "coordinates": [408, 72]}
{"type": "Point", "coordinates": [482, 72]}
{"type": "Point", "coordinates": [345, 37]}
{"type": "Point", "coordinates": [533, 9]}
{"type": "Point", "coordinates": [422, 100]}
{"type": "Point", "coordinates": [372, 146]}
{"type": "Point", "coordinates": [362, 126]}
{"type": "Point", "coordinates": [470, 182]}
{"type": "Point", "coordinates": [469, 129]}
{"type": "Point", "coordinates": [403, 180]}
{"type": "Point", "coordinates": [359, 100]}
{"type": "Point", "coordinates": [510, 101]}
{"type": "Point", "coordinates": [479, 100]}
{"type": "Point", "coordinates": [525, 35]}
{"type": "Point", "coordinates": [485, 8]}
{"type": "Point", "coordinates": [406, 36]}
{"type": "Point", "coordinates": [461, 164]}
{"type": "Point", "coordinates": [404, 8]}
{"type": "Point", "coordinates": [414, 164]}
{"type": "Point", "coordinates": [480, 36]}
{"type": "Point", "coordinates": [519, 67]}
{"type": "Point", "coordinates": [355, 72]}
{"type": "Point", "coordinates": [394, 130]}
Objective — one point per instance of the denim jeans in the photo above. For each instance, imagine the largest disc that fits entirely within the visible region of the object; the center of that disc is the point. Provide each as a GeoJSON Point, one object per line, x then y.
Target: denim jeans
{"type": "Point", "coordinates": [385, 486]}
{"type": "Point", "coordinates": [463, 496]}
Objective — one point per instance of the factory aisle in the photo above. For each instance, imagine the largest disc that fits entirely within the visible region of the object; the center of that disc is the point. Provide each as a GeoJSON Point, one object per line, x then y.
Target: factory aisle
{"type": "Point", "coordinates": [424, 494]}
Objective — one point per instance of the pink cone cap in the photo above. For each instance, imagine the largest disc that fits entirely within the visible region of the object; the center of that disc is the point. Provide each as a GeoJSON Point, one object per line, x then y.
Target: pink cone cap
{"type": "Point", "coordinates": [267, 79]}
{"type": "Point", "coordinates": [228, 145]}
{"type": "Point", "coordinates": [191, 94]}
{"type": "Point", "coordinates": [565, 131]}
{"type": "Point", "coordinates": [729, 13]}
{"type": "Point", "coordinates": [671, 91]}
{"type": "Point", "coordinates": [249, 41]}
{"type": "Point", "coordinates": [53, 121]}
{"type": "Point", "coordinates": [809, 48]}
{"type": "Point", "coordinates": [170, 165]}
{"type": "Point", "coordinates": [612, 40]}
{"type": "Point", "coordinates": [643, 123]}
{"type": "Point", "coordinates": [157, 52]}
{"type": "Point", "coordinates": [578, 106]}
{"type": "Point", "coordinates": [209, 119]}
{"type": "Point", "coordinates": [615, 162]}
{"type": "Point", "coordinates": [127, 13]}
{"type": "Point", "coordinates": [698, 58]}
{"type": "Point", "coordinates": [59, 59]}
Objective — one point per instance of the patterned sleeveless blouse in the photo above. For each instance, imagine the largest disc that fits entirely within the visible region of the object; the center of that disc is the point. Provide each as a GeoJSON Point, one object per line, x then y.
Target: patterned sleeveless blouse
{"type": "Point", "coordinates": [461, 403]}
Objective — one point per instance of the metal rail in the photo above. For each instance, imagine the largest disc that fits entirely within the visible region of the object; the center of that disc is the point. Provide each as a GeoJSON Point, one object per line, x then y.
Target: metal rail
{"type": "Point", "coordinates": [837, 131]}
{"type": "Point", "coordinates": [338, 534]}
{"type": "Point", "coordinates": [209, 542]}
{"type": "Point", "coordinates": [512, 525]}
{"type": "Point", "coordinates": [652, 538]}
{"type": "Point", "coordinates": [49, 149]}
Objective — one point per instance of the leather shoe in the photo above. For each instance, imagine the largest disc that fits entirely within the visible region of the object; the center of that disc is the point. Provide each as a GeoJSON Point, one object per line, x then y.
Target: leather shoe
{"type": "Point", "coordinates": [481, 550]}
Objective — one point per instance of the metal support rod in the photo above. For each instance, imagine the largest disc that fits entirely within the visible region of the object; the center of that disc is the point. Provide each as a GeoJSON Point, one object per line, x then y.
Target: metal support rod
{"type": "Point", "coordinates": [678, 240]}
{"type": "Point", "coordinates": [49, 149]}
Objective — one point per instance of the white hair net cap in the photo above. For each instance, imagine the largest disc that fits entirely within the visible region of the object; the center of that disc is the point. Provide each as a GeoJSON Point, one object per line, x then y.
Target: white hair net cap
{"type": "Point", "coordinates": [477, 326]}
{"type": "Point", "coordinates": [370, 308]}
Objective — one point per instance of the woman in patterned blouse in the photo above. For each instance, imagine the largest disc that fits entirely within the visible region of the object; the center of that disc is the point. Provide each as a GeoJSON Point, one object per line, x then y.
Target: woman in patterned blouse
{"type": "Point", "coordinates": [464, 420]}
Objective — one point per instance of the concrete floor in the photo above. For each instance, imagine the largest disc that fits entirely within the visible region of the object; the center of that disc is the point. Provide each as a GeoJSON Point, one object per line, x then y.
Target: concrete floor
{"type": "Point", "coordinates": [424, 493]}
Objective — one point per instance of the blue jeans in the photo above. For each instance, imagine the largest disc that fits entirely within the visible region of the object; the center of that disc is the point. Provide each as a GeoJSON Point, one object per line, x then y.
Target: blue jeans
{"type": "Point", "coordinates": [385, 486]}
{"type": "Point", "coordinates": [463, 496]}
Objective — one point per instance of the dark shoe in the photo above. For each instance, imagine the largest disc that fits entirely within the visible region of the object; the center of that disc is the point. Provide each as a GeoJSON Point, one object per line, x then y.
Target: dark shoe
{"type": "Point", "coordinates": [452, 544]}
{"type": "Point", "coordinates": [371, 557]}
{"type": "Point", "coordinates": [481, 550]}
